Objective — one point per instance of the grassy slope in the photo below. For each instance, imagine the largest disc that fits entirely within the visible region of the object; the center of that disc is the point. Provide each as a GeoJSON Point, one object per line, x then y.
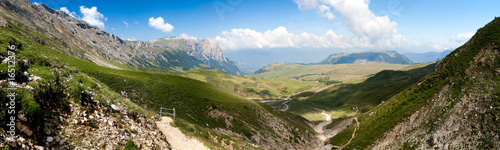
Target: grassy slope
{"type": "Point", "coordinates": [60, 85]}
{"type": "Point", "coordinates": [366, 95]}
{"type": "Point", "coordinates": [339, 72]}
{"type": "Point", "coordinates": [250, 87]}
{"type": "Point", "coordinates": [450, 71]}
{"type": "Point", "coordinates": [191, 98]}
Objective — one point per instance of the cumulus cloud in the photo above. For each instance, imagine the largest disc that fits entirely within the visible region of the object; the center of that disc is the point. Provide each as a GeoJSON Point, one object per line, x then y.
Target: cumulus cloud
{"type": "Point", "coordinates": [160, 24]}
{"type": "Point", "coordinates": [325, 11]}
{"type": "Point", "coordinates": [452, 41]}
{"type": "Point", "coordinates": [307, 4]}
{"type": "Point", "coordinates": [370, 31]}
{"type": "Point", "coordinates": [72, 14]}
{"type": "Point", "coordinates": [462, 37]}
{"type": "Point", "coordinates": [92, 16]}
{"type": "Point", "coordinates": [36, 3]}
{"type": "Point", "coordinates": [280, 37]}
{"type": "Point", "coordinates": [356, 15]}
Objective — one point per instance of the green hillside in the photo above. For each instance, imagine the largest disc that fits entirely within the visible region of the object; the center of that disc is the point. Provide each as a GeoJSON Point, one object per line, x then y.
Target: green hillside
{"type": "Point", "coordinates": [468, 74]}
{"type": "Point", "coordinates": [339, 99]}
{"type": "Point", "coordinates": [250, 87]}
{"type": "Point", "coordinates": [324, 73]}
{"type": "Point", "coordinates": [203, 106]}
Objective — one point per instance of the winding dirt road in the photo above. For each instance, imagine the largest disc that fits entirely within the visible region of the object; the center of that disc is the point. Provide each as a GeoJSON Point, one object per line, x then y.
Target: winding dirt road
{"type": "Point", "coordinates": [353, 135]}
{"type": "Point", "coordinates": [320, 127]}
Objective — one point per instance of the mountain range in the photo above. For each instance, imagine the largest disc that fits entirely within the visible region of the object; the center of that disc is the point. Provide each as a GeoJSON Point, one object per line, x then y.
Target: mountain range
{"type": "Point", "coordinates": [431, 56]}
{"type": "Point", "coordinates": [79, 87]}
{"type": "Point", "coordinates": [381, 56]}
{"type": "Point", "coordinates": [86, 41]}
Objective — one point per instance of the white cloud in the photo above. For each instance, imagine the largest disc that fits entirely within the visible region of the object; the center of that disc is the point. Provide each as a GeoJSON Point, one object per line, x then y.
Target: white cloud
{"type": "Point", "coordinates": [369, 31]}
{"type": "Point", "coordinates": [356, 15]}
{"type": "Point", "coordinates": [306, 4]}
{"type": "Point", "coordinates": [452, 41]}
{"type": "Point", "coordinates": [64, 9]}
{"type": "Point", "coordinates": [126, 24]}
{"type": "Point", "coordinates": [36, 3]}
{"type": "Point", "coordinates": [462, 38]}
{"type": "Point", "coordinates": [92, 16]}
{"type": "Point", "coordinates": [186, 36]}
{"type": "Point", "coordinates": [325, 11]}
{"type": "Point", "coordinates": [160, 24]}
{"type": "Point", "coordinates": [280, 37]}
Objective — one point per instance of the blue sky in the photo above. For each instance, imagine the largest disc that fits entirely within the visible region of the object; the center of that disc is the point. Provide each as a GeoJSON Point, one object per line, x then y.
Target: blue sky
{"type": "Point", "coordinates": [403, 25]}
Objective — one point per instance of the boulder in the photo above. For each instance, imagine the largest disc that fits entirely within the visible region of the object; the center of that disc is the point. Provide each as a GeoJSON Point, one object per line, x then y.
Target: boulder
{"type": "Point", "coordinates": [26, 74]}
{"type": "Point", "coordinates": [61, 141]}
{"type": "Point", "coordinates": [11, 142]}
{"type": "Point", "coordinates": [24, 129]}
{"type": "Point", "coordinates": [50, 139]}
{"type": "Point", "coordinates": [115, 108]}
{"type": "Point", "coordinates": [22, 117]}
{"type": "Point", "coordinates": [6, 60]}
{"type": "Point", "coordinates": [29, 88]}
{"type": "Point", "coordinates": [21, 140]}
{"type": "Point", "coordinates": [38, 147]}
{"type": "Point", "coordinates": [57, 138]}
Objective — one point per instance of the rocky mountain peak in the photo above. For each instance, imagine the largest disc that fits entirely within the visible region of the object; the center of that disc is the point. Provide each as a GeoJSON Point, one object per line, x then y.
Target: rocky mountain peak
{"type": "Point", "coordinates": [205, 50]}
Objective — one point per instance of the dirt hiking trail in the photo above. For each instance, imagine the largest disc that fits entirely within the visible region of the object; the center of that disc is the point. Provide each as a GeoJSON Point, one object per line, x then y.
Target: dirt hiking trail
{"type": "Point", "coordinates": [177, 140]}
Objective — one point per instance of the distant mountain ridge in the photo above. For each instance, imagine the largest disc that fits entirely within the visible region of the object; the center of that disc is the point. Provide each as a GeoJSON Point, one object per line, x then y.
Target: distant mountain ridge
{"type": "Point", "coordinates": [426, 57]}
{"type": "Point", "coordinates": [80, 39]}
{"type": "Point", "coordinates": [379, 56]}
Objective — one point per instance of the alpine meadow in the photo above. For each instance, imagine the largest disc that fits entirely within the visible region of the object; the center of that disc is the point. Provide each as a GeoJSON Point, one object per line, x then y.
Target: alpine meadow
{"type": "Point", "coordinates": [333, 74]}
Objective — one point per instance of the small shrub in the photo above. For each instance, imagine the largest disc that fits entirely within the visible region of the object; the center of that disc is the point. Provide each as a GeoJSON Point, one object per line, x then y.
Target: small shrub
{"type": "Point", "coordinates": [130, 145]}
{"type": "Point", "coordinates": [133, 131]}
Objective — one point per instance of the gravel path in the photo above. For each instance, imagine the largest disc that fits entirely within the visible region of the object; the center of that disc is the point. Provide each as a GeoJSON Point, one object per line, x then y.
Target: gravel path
{"type": "Point", "coordinates": [177, 140]}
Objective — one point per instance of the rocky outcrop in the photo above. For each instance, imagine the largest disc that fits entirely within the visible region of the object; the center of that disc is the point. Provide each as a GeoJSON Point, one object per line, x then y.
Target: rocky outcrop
{"type": "Point", "coordinates": [191, 54]}
{"type": "Point", "coordinates": [204, 50]}
{"type": "Point", "coordinates": [104, 130]}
